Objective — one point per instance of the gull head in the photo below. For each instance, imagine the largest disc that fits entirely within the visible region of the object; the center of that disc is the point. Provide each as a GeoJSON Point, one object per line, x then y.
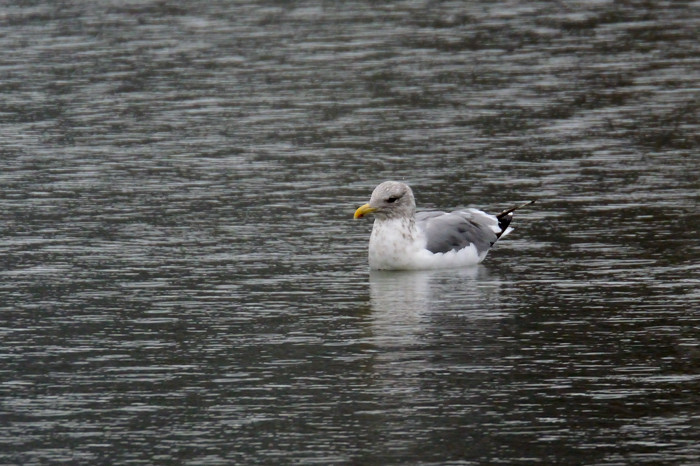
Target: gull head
{"type": "Point", "coordinates": [391, 199]}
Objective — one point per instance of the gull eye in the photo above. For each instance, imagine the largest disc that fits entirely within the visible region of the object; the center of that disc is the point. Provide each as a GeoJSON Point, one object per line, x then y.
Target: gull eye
{"type": "Point", "coordinates": [393, 199]}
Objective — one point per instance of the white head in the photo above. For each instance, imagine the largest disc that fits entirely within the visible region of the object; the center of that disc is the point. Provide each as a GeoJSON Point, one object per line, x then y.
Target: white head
{"type": "Point", "coordinates": [391, 199]}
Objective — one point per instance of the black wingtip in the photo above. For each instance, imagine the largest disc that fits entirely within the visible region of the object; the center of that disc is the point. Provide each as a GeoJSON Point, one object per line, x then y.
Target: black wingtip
{"type": "Point", "coordinates": [513, 209]}
{"type": "Point", "coordinates": [506, 216]}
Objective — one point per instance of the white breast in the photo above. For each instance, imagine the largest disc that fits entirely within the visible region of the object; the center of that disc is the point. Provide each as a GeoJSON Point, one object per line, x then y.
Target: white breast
{"type": "Point", "coordinates": [397, 244]}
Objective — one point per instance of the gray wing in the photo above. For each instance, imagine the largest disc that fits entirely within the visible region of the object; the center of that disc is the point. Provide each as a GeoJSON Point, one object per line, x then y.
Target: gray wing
{"type": "Point", "coordinates": [456, 230]}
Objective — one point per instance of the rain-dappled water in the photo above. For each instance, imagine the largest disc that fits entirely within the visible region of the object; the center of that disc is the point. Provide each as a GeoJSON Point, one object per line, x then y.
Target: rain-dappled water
{"type": "Point", "coordinates": [182, 280]}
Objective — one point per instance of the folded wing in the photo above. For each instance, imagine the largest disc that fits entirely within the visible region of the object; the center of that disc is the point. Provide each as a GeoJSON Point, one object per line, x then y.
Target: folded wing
{"type": "Point", "coordinates": [456, 230]}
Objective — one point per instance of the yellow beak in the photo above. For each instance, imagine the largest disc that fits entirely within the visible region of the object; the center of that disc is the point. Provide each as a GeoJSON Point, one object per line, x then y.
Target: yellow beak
{"type": "Point", "coordinates": [364, 210]}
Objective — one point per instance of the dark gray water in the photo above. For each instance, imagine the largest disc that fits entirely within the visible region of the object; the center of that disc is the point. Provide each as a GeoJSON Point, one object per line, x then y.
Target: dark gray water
{"type": "Point", "coordinates": [182, 280]}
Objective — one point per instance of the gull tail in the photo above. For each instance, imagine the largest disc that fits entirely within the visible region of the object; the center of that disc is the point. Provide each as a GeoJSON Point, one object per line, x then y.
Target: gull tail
{"type": "Point", "coordinates": [506, 216]}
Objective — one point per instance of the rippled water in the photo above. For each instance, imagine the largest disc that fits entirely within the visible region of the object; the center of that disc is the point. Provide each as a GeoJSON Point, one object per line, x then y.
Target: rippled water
{"type": "Point", "coordinates": [182, 280]}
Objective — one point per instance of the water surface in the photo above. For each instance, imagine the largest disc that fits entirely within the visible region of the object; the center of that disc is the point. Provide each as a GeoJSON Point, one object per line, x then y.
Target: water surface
{"type": "Point", "coordinates": [182, 280]}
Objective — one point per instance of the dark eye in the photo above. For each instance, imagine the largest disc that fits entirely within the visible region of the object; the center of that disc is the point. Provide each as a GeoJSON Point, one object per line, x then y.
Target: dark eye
{"type": "Point", "coordinates": [392, 199]}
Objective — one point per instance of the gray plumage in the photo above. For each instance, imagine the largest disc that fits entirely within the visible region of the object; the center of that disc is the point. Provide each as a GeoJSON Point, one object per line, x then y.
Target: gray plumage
{"type": "Point", "coordinates": [456, 230]}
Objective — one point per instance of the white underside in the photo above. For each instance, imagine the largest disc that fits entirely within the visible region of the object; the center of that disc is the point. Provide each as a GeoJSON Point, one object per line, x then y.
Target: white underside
{"type": "Point", "coordinates": [398, 245]}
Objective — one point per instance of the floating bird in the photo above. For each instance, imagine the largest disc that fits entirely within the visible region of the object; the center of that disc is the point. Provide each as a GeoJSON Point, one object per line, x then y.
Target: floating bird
{"type": "Point", "coordinates": [403, 239]}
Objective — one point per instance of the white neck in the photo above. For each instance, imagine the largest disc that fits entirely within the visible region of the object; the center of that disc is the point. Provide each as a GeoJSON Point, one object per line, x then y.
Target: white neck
{"type": "Point", "coordinates": [393, 241]}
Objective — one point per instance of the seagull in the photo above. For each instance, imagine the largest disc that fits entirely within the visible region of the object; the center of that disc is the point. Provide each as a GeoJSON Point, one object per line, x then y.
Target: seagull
{"type": "Point", "coordinates": [403, 239]}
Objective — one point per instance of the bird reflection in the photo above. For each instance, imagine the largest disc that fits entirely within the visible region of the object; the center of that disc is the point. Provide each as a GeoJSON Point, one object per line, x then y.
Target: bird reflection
{"type": "Point", "coordinates": [401, 302]}
{"type": "Point", "coordinates": [422, 321]}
